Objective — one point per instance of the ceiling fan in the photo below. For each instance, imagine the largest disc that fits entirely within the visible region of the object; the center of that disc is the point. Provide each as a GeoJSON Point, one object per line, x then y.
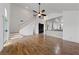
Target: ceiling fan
{"type": "Point", "coordinates": [39, 13]}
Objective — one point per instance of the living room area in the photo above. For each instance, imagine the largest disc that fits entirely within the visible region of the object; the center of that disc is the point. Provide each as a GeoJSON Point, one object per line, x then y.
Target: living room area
{"type": "Point", "coordinates": [39, 28]}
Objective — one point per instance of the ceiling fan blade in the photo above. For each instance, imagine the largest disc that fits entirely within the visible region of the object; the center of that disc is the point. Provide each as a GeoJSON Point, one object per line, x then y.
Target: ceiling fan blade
{"type": "Point", "coordinates": [43, 11]}
{"type": "Point", "coordinates": [43, 14]}
{"type": "Point", "coordinates": [34, 11]}
{"type": "Point", "coordinates": [35, 15]}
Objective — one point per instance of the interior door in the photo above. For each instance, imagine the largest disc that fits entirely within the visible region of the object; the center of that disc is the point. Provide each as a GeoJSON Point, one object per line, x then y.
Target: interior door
{"type": "Point", "coordinates": [5, 26]}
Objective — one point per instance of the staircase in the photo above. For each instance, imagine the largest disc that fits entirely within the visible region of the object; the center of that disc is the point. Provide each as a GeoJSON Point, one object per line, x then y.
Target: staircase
{"type": "Point", "coordinates": [31, 28]}
{"type": "Point", "coordinates": [27, 30]}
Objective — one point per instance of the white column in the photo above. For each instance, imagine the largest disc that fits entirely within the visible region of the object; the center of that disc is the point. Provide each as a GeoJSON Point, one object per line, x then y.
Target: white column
{"type": "Point", "coordinates": [44, 25]}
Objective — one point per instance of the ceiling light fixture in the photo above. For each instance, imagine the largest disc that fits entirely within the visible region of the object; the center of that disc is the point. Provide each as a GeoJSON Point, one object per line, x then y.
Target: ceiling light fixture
{"type": "Point", "coordinates": [39, 13]}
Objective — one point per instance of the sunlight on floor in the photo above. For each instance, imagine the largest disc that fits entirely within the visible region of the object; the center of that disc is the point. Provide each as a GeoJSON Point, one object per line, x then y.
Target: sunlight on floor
{"type": "Point", "coordinates": [57, 49]}
{"type": "Point", "coordinates": [16, 35]}
{"type": "Point", "coordinates": [12, 37]}
{"type": "Point", "coordinates": [8, 43]}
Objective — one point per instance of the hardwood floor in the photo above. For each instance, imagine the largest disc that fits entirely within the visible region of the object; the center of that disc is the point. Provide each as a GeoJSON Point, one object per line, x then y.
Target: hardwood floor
{"type": "Point", "coordinates": [39, 45]}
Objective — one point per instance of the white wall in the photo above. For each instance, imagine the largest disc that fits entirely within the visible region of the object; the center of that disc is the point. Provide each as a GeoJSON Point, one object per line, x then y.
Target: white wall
{"type": "Point", "coordinates": [71, 26]}
{"type": "Point", "coordinates": [19, 13]}
{"type": "Point", "coordinates": [58, 34]}
{"type": "Point", "coordinates": [27, 30]}
{"type": "Point", "coordinates": [53, 15]}
{"type": "Point", "coordinates": [78, 28]}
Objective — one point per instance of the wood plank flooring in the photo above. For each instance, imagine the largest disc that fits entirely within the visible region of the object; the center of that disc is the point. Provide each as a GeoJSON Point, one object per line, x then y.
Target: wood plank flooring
{"type": "Point", "coordinates": [39, 45]}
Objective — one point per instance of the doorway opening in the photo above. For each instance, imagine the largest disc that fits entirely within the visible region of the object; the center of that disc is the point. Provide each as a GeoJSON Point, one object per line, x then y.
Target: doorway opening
{"type": "Point", "coordinates": [41, 28]}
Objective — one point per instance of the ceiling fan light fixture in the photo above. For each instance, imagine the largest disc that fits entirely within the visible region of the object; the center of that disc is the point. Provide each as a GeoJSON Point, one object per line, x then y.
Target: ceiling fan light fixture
{"type": "Point", "coordinates": [39, 14]}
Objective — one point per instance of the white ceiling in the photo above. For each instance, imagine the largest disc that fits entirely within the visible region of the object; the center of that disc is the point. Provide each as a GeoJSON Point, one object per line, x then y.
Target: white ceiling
{"type": "Point", "coordinates": [50, 7]}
